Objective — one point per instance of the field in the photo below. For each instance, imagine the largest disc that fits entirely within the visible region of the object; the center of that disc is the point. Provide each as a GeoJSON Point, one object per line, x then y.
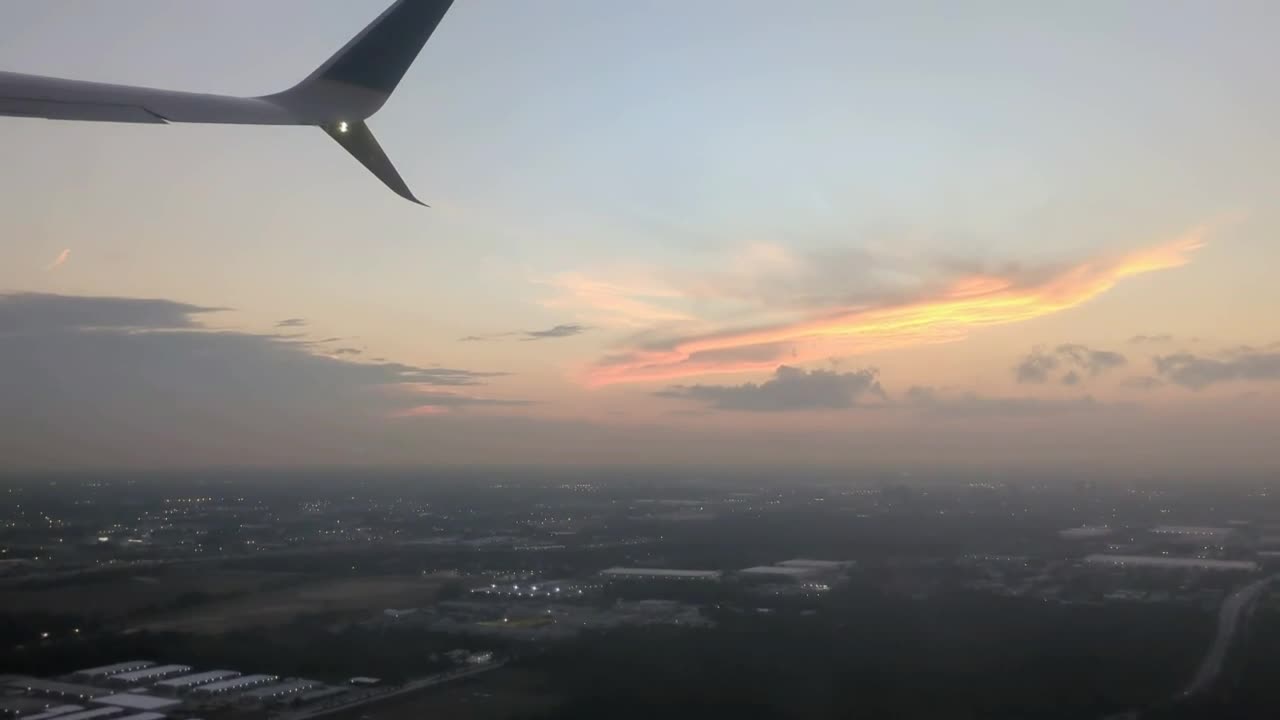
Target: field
{"type": "Point", "coordinates": [212, 600]}
{"type": "Point", "coordinates": [497, 695]}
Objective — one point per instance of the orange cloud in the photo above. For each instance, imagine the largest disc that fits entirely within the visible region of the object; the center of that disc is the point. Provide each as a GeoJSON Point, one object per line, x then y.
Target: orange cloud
{"type": "Point", "coordinates": [943, 316]}
{"type": "Point", "coordinates": [62, 258]}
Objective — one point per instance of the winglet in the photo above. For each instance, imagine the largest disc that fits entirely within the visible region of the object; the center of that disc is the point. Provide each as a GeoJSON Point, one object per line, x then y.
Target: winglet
{"type": "Point", "coordinates": [378, 58]}
{"type": "Point", "coordinates": [358, 139]}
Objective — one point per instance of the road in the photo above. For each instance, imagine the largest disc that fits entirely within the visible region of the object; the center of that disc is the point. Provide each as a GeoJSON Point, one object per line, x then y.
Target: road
{"type": "Point", "coordinates": [1230, 618]}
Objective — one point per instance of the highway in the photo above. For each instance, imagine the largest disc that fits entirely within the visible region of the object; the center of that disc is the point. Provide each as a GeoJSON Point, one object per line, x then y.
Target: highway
{"type": "Point", "coordinates": [1230, 618]}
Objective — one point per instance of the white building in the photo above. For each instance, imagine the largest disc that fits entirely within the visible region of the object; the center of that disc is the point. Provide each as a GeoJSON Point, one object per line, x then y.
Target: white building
{"type": "Point", "coordinates": [158, 672]}
{"type": "Point", "coordinates": [97, 673]}
{"type": "Point", "coordinates": [1087, 532]}
{"type": "Point", "coordinates": [234, 685]}
{"type": "Point", "coordinates": [824, 565]}
{"type": "Point", "coordinates": [779, 573]}
{"type": "Point", "coordinates": [187, 682]}
{"type": "Point", "coordinates": [621, 573]}
{"type": "Point", "coordinates": [1193, 531]}
{"type": "Point", "coordinates": [137, 701]}
{"type": "Point", "coordinates": [1179, 563]}
{"type": "Point", "coordinates": [281, 690]}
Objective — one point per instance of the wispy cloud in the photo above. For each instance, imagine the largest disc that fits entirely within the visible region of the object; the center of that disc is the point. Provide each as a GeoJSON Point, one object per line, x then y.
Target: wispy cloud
{"type": "Point", "coordinates": [292, 323]}
{"type": "Point", "coordinates": [1197, 372]}
{"type": "Point", "coordinates": [558, 331]}
{"type": "Point", "coordinates": [59, 261]}
{"type": "Point", "coordinates": [945, 314]}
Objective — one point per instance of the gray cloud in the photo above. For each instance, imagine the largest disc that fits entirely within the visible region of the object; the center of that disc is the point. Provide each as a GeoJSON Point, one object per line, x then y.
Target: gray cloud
{"type": "Point", "coordinates": [1035, 367]}
{"type": "Point", "coordinates": [292, 323]}
{"type": "Point", "coordinates": [1039, 364]}
{"type": "Point", "coordinates": [789, 389]}
{"type": "Point", "coordinates": [133, 380]}
{"type": "Point", "coordinates": [1151, 339]}
{"type": "Point", "coordinates": [559, 331]}
{"type": "Point", "coordinates": [1197, 372]}
{"type": "Point", "coordinates": [348, 351]}
{"type": "Point", "coordinates": [40, 312]}
{"type": "Point", "coordinates": [1142, 382]}
{"type": "Point", "coordinates": [1095, 362]}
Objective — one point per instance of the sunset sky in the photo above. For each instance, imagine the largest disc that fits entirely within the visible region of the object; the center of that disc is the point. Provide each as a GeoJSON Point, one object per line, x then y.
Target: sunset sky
{"type": "Point", "coordinates": [844, 234]}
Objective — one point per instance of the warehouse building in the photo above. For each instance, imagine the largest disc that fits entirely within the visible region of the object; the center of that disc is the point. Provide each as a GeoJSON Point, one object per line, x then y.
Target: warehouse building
{"type": "Point", "coordinates": [235, 685]}
{"type": "Point", "coordinates": [147, 675]}
{"type": "Point", "coordinates": [137, 702]}
{"type": "Point", "coordinates": [281, 690]}
{"type": "Point", "coordinates": [95, 714]}
{"type": "Point", "coordinates": [60, 690]}
{"type": "Point", "coordinates": [53, 712]}
{"type": "Point", "coordinates": [186, 683]}
{"type": "Point", "coordinates": [100, 673]}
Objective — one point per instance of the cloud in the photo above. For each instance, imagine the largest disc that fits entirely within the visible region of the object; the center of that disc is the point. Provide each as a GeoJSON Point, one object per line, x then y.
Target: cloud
{"type": "Point", "coordinates": [1151, 339]}
{"type": "Point", "coordinates": [347, 351]}
{"type": "Point", "coordinates": [1035, 367]}
{"type": "Point", "coordinates": [292, 323]}
{"type": "Point", "coordinates": [970, 404]}
{"type": "Point", "coordinates": [945, 311]}
{"type": "Point", "coordinates": [559, 331]}
{"type": "Point", "coordinates": [1142, 382]}
{"type": "Point", "coordinates": [789, 389]}
{"type": "Point", "coordinates": [133, 380]}
{"type": "Point", "coordinates": [1197, 372]}
{"type": "Point", "coordinates": [1039, 364]}
{"type": "Point", "coordinates": [59, 261]}
{"type": "Point", "coordinates": [41, 312]}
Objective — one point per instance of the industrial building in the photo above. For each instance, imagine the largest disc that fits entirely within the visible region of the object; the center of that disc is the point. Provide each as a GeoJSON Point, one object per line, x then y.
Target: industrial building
{"type": "Point", "coordinates": [1178, 563]}
{"type": "Point", "coordinates": [281, 690]}
{"type": "Point", "coordinates": [186, 683]}
{"type": "Point", "coordinates": [137, 701]}
{"type": "Point", "coordinates": [146, 675]}
{"type": "Point", "coordinates": [106, 712]}
{"type": "Point", "coordinates": [1193, 531]}
{"type": "Point", "coordinates": [53, 689]}
{"type": "Point", "coordinates": [98, 673]}
{"type": "Point", "coordinates": [621, 573]}
{"type": "Point", "coordinates": [235, 685]}
{"type": "Point", "coordinates": [777, 573]}
{"type": "Point", "coordinates": [56, 711]}
{"type": "Point", "coordinates": [142, 716]}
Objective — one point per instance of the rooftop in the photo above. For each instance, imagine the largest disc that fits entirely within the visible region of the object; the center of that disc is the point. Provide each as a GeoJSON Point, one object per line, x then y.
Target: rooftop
{"type": "Point", "coordinates": [149, 673]}
{"type": "Point", "coordinates": [199, 678]}
{"type": "Point", "coordinates": [137, 701]}
{"type": "Point", "coordinates": [115, 668]}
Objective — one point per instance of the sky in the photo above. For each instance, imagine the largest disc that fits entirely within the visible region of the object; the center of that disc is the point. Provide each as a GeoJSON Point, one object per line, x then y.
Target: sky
{"type": "Point", "coordinates": [850, 235]}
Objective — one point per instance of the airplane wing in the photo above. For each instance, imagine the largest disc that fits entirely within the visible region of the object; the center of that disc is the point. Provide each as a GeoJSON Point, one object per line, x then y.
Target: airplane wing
{"type": "Point", "coordinates": [338, 97]}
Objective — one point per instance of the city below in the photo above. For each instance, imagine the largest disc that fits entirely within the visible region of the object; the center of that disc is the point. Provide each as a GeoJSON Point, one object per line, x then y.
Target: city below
{"type": "Point", "coordinates": [388, 595]}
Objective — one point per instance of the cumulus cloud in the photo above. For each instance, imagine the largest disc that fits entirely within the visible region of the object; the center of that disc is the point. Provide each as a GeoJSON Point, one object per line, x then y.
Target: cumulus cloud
{"type": "Point", "coordinates": [1197, 372]}
{"type": "Point", "coordinates": [790, 388]}
{"type": "Point", "coordinates": [1039, 364]}
{"type": "Point", "coordinates": [1142, 382]}
{"type": "Point", "coordinates": [144, 379]}
{"type": "Point", "coordinates": [1035, 367]}
{"type": "Point", "coordinates": [292, 323]}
